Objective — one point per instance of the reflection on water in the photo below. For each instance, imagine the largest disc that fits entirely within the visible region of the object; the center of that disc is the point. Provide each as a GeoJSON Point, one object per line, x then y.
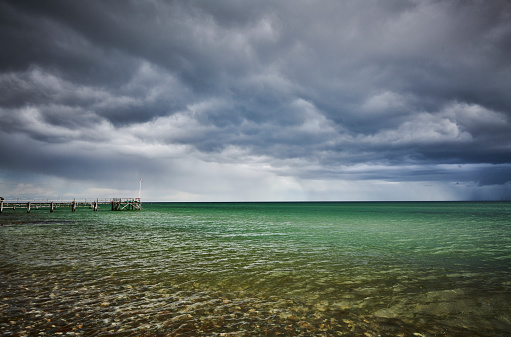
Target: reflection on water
{"type": "Point", "coordinates": [256, 269]}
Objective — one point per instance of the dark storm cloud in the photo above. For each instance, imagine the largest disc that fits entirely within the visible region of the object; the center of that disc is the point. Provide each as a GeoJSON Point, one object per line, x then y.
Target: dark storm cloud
{"type": "Point", "coordinates": [398, 90]}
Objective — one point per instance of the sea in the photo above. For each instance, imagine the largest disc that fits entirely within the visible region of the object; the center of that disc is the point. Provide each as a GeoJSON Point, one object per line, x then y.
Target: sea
{"type": "Point", "coordinates": [258, 269]}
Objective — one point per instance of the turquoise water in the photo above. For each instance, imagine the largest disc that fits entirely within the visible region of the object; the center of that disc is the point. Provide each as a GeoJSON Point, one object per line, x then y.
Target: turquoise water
{"type": "Point", "coordinates": [189, 269]}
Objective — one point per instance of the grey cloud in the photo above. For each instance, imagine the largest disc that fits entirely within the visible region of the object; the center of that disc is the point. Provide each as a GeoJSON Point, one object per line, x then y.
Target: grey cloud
{"type": "Point", "coordinates": [38, 40]}
{"type": "Point", "coordinates": [335, 90]}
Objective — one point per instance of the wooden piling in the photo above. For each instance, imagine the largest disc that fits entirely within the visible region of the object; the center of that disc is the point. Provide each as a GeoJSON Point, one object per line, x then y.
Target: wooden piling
{"type": "Point", "coordinates": [28, 207]}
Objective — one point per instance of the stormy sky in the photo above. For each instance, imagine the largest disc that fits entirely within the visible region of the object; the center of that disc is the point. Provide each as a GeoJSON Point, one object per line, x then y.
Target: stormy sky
{"type": "Point", "coordinates": [256, 100]}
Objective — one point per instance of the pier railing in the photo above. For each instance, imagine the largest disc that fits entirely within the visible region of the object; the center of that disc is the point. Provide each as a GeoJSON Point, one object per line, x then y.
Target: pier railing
{"type": "Point", "coordinates": [117, 204]}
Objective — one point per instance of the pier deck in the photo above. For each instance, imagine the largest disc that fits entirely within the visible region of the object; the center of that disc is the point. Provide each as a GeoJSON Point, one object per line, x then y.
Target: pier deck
{"type": "Point", "coordinates": [117, 204]}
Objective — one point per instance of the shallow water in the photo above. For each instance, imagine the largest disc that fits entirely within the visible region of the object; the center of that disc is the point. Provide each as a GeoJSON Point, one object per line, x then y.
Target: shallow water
{"type": "Point", "coordinates": [259, 268]}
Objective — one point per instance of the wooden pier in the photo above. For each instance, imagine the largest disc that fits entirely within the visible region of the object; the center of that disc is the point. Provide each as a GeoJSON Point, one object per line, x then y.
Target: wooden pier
{"type": "Point", "coordinates": [117, 204]}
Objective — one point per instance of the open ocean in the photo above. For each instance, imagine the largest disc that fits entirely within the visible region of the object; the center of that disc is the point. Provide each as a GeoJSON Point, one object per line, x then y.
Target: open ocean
{"type": "Point", "coordinates": [242, 269]}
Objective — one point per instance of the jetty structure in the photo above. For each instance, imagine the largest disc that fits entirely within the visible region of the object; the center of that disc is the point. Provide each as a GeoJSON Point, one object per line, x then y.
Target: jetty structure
{"type": "Point", "coordinates": [117, 204]}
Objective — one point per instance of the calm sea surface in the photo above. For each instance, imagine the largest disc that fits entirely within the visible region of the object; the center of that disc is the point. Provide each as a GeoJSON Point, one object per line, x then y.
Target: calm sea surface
{"type": "Point", "coordinates": [311, 269]}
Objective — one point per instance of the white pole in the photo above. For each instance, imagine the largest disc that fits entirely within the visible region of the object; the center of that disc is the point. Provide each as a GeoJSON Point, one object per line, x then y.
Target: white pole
{"type": "Point", "coordinates": [140, 189]}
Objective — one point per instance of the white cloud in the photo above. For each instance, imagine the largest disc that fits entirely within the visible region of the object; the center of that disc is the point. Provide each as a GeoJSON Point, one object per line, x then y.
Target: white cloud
{"type": "Point", "coordinates": [386, 102]}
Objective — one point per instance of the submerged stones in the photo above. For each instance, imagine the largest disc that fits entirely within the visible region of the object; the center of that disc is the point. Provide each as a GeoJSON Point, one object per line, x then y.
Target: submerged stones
{"type": "Point", "coordinates": [40, 303]}
{"type": "Point", "coordinates": [142, 310]}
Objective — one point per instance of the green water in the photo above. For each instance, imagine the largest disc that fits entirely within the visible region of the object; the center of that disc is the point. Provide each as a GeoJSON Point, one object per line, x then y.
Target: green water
{"type": "Point", "coordinates": [259, 268]}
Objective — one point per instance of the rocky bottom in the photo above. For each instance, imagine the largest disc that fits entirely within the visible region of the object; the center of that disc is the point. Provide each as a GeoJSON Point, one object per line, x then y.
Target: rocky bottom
{"type": "Point", "coordinates": [42, 306]}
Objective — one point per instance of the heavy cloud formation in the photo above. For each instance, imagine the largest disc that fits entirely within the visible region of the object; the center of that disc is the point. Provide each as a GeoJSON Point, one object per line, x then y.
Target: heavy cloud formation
{"type": "Point", "coordinates": [259, 100]}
